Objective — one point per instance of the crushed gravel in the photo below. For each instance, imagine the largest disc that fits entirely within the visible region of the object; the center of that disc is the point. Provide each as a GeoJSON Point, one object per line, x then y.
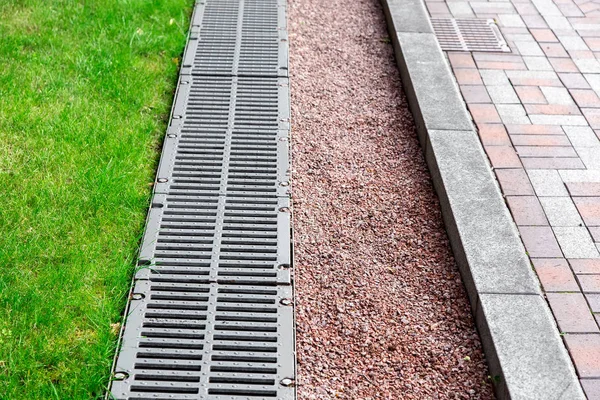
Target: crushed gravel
{"type": "Point", "coordinates": [381, 310]}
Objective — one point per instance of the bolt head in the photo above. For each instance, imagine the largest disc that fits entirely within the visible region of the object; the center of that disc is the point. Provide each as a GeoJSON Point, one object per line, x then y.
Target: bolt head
{"type": "Point", "coordinates": [120, 376]}
{"type": "Point", "coordinates": [287, 382]}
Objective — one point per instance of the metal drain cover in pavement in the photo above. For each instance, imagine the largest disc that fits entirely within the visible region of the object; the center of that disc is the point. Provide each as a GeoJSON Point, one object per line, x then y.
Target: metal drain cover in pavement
{"type": "Point", "coordinates": [469, 35]}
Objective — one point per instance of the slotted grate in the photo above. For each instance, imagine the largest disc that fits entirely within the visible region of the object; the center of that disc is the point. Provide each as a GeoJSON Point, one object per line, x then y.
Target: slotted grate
{"type": "Point", "coordinates": [238, 38]}
{"type": "Point", "coordinates": [204, 340]}
{"type": "Point", "coordinates": [229, 136]}
{"type": "Point", "coordinates": [211, 311]}
{"type": "Point", "coordinates": [469, 35]}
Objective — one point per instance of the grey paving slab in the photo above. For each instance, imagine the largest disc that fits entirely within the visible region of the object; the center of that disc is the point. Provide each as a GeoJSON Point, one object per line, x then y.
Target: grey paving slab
{"type": "Point", "coordinates": [431, 90]}
{"type": "Point", "coordinates": [561, 211]}
{"type": "Point", "coordinates": [576, 242]}
{"type": "Point", "coordinates": [530, 361]}
{"type": "Point", "coordinates": [408, 16]}
{"type": "Point", "coordinates": [581, 136]}
{"type": "Point", "coordinates": [547, 182]}
{"type": "Point", "coordinates": [484, 238]}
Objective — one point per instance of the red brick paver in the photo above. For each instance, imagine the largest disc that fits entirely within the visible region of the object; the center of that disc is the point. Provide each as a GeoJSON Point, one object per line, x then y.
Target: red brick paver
{"type": "Point", "coordinates": [537, 111]}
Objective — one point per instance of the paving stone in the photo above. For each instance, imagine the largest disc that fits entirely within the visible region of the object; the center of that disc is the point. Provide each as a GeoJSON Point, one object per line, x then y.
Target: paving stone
{"type": "Point", "coordinates": [571, 43]}
{"type": "Point", "coordinates": [585, 351]}
{"type": "Point", "coordinates": [460, 9]}
{"type": "Point", "coordinates": [511, 20]}
{"type": "Point", "coordinates": [570, 10]}
{"type": "Point", "coordinates": [467, 76]}
{"type": "Point", "coordinates": [586, 98]}
{"type": "Point", "coordinates": [529, 49]}
{"type": "Point", "coordinates": [530, 95]}
{"type": "Point", "coordinates": [595, 232]}
{"type": "Point", "coordinates": [576, 242]}
{"type": "Point", "coordinates": [554, 50]}
{"type": "Point", "coordinates": [514, 182]}
{"type": "Point", "coordinates": [558, 23]}
{"type": "Point", "coordinates": [574, 80]}
{"type": "Point", "coordinates": [581, 136]}
{"type": "Point", "coordinates": [476, 94]}
{"type": "Point", "coordinates": [561, 211]}
{"type": "Point", "coordinates": [563, 65]}
{"type": "Point", "coordinates": [593, 300]}
{"type": "Point", "coordinates": [575, 120]}
{"type": "Point", "coordinates": [535, 130]}
{"type": "Point", "coordinates": [533, 78]}
{"type": "Point", "coordinates": [552, 109]}
{"type": "Point", "coordinates": [589, 208]}
{"type": "Point", "coordinates": [540, 242]}
{"type": "Point", "coordinates": [593, 43]}
{"type": "Point", "coordinates": [587, 65]}
{"type": "Point", "coordinates": [555, 275]}
{"type": "Point", "coordinates": [585, 266]}
{"type": "Point", "coordinates": [503, 94]}
{"type": "Point", "coordinates": [547, 7]}
{"type": "Point", "coordinates": [492, 7]}
{"type": "Point", "coordinates": [552, 163]}
{"type": "Point", "coordinates": [545, 151]}
{"type": "Point", "coordinates": [547, 183]}
{"type": "Point", "coordinates": [438, 10]}
{"type": "Point", "coordinates": [593, 116]}
{"type": "Point", "coordinates": [503, 157]}
{"type": "Point", "coordinates": [540, 140]}
{"type": "Point", "coordinates": [493, 77]}
{"type": "Point", "coordinates": [512, 113]}
{"type": "Point", "coordinates": [590, 283]}
{"type": "Point", "coordinates": [526, 339]}
{"type": "Point", "coordinates": [544, 35]}
{"type": "Point", "coordinates": [505, 65]}
{"type": "Point", "coordinates": [484, 113]}
{"type": "Point", "coordinates": [500, 57]}
{"type": "Point", "coordinates": [526, 211]}
{"type": "Point", "coordinates": [557, 95]}
{"type": "Point", "coordinates": [594, 82]}
{"type": "Point", "coordinates": [534, 21]}
{"type": "Point", "coordinates": [572, 313]}
{"type": "Point", "coordinates": [461, 60]}
{"type": "Point", "coordinates": [591, 388]}
{"type": "Point", "coordinates": [584, 188]}
{"type": "Point", "coordinates": [590, 156]}
{"type": "Point", "coordinates": [580, 176]}
{"type": "Point", "coordinates": [493, 135]}
{"type": "Point", "coordinates": [538, 63]}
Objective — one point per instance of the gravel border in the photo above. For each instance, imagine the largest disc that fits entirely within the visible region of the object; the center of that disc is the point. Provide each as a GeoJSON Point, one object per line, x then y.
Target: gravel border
{"type": "Point", "coordinates": [381, 310]}
{"type": "Point", "coordinates": [526, 356]}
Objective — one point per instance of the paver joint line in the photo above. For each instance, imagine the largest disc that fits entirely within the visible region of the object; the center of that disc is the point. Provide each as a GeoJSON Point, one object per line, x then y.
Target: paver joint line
{"type": "Point", "coordinates": [520, 337]}
{"type": "Point", "coordinates": [210, 313]}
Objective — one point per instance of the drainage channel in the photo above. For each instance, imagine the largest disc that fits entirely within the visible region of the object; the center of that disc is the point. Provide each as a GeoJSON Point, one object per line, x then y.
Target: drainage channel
{"type": "Point", "coordinates": [210, 314]}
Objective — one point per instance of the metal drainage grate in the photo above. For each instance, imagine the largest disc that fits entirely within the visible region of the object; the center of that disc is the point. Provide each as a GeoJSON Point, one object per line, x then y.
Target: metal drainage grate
{"type": "Point", "coordinates": [238, 37]}
{"type": "Point", "coordinates": [210, 314]}
{"type": "Point", "coordinates": [469, 35]}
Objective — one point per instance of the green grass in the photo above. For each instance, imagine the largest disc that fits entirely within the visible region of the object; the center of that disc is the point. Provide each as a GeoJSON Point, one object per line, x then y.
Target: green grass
{"type": "Point", "coordinates": [85, 92]}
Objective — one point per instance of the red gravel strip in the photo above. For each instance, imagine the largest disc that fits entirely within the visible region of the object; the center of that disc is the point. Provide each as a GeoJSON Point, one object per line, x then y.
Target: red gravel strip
{"type": "Point", "coordinates": [381, 310]}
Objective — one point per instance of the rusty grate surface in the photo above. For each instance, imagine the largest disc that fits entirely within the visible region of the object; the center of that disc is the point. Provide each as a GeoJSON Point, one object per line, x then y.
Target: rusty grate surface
{"type": "Point", "coordinates": [469, 35]}
{"type": "Point", "coordinates": [210, 314]}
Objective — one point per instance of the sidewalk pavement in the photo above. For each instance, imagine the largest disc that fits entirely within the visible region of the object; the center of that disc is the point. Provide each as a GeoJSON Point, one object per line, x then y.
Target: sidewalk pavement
{"type": "Point", "coordinates": [537, 110]}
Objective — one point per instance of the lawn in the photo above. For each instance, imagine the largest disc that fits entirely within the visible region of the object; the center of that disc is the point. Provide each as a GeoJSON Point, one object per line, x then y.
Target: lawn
{"type": "Point", "coordinates": [85, 92]}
